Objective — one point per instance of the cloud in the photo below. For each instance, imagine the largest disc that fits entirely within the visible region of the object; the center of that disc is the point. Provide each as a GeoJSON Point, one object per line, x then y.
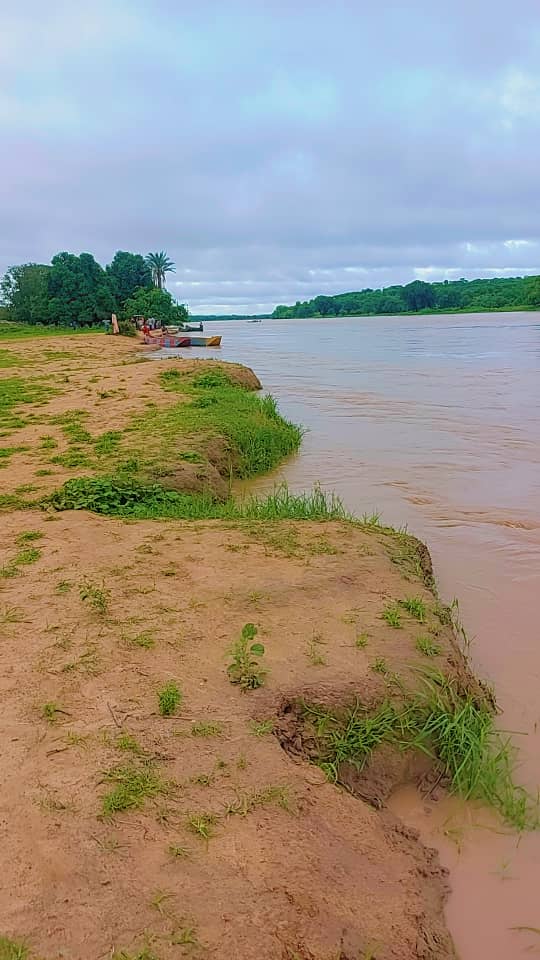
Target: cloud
{"type": "Point", "coordinates": [276, 151]}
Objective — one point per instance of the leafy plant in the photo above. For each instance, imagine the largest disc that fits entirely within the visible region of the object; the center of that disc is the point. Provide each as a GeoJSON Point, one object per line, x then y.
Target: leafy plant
{"type": "Point", "coordinates": [134, 784]}
{"type": "Point", "coordinates": [245, 668]}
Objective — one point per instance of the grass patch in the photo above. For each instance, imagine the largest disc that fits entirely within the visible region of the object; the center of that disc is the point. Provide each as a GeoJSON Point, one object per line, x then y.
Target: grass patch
{"type": "Point", "coordinates": [260, 728]}
{"type": "Point", "coordinates": [416, 607]}
{"type": "Point", "coordinates": [96, 597]}
{"type": "Point", "coordinates": [245, 669]}
{"type": "Point", "coordinates": [247, 802]}
{"type": "Point", "coordinates": [392, 616]}
{"type": "Point", "coordinates": [204, 729]}
{"type": "Point", "coordinates": [107, 443]}
{"type": "Point", "coordinates": [451, 726]}
{"type": "Point", "coordinates": [144, 640]}
{"type": "Point", "coordinates": [427, 646]}
{"type": "Point", "coordinates": [27, 556]}
{"type": "Point", "coordinates": [127, 497]}
{"type": "Point", "coordinates": [202, 824]}
{"type": "Point", "coordinates": [133, 785]}
{"type": "Point", "coordinates": [361, 641]}
{"type": "Point", "coordinates": [27, 536]}
{"type": "Point", "coordinates": [12, 949]}
{"type": "Point", "coordinates": [16, 391]}
{"type": "Point", "coordinates": [169, 699]}
{"type": "Point", "coordinates": [50, 711]}
{"type": "Point", "coordinates": [71, 459]}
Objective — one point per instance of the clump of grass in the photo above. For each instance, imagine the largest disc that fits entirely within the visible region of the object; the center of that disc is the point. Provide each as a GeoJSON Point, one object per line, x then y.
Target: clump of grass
{"type": "Point", "coordinates": [96, 597]}
{"type": "Point", "coordinates": [71, 459]}
{"type": "Point", "coordinates": [427, 646]}
{"type": "Point", "coordinates": [10, 615]}
{"type": "Point", "coordinates": [108, 442]}
{"type": "Point", "coordinates": [63, 586]}
{"type": "Point", "coordinates": [169, 699]}
{"type": "Point", "coordinates": [125, 741]}
{"type": "Point", "coordinates": [144, 640]}
{"type": "Point", "coordinates": [247, 802]}
{"type": "Point", "coordinates": [261, 727]}
{"type": "Point", "coordinates": [392, 616]}
{"type": "Point", "coordinates": [144, 954]}
{"type": "Point", "coordinates": [27, 536]}
{"type": "Point", "coordinates": [202, 824]}
{"type": "Point", "coordinates": [245, 669]}
{"type": "Point", "coordinates": [133, 785]}
{"type": "Point", "coordinates": [380, 665]}
{"type": "Point", "coordinates": [416, 607]}
{"type": "Point", "coordinates": [361, 640]}
{"type": "Point", "coordinates": [48, 443]}
{"type": "Point", "coordinates": [206, 729]}
{"type": "Point", "coordinates": [180, 853]}
{"type": "Point", "coordinates": [27, 556]}
{"type": "Point", "coordinates": [50, 711]}
{"type": "Point", "coordinates": [12, 949]}
{"type": "Point", "coordinates": [450, 725]}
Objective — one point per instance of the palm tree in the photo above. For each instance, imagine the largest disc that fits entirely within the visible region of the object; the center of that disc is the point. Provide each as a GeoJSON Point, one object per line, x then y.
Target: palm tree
{"type": "Point", "coordinates": [159, 264]}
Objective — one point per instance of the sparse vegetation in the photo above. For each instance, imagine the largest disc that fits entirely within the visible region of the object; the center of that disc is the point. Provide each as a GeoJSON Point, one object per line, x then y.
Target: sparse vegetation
{"type": "Point", "coordinates": [314, 654]}
{"type": "Point", "coordinates": [96, 597]}
{"type": "Point", "coordinates": [50, 711]}
{"type": "Point", "coordinates": [202, 824]}
{"type": "Point", "coordinates": [12, 949]}
{"type": "Point", "coordinates": [206, 729]}
{"type": "Point", "coordinates": [427, 646]}
{"type": "Point", "coordinates": [169, 699]}
{"type": "Point", "coordinates": [361, 640]}
{"type": "Point", "coordinates": [133, 785]}
{"type": "Point", "coordinates": [416, 607]}
{"type": "Point", "coordinates": [262, 727]}
{"type": "Point", "coordinates": [245, 668]}
{"type": "Point", "coordinates": [392, 616]}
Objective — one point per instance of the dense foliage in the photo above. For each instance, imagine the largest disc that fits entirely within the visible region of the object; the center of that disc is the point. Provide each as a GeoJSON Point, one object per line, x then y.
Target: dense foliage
{"type": "Point", "coordinates": [75, 291]}
{"type": "Point", "coordinates": [470, 295]}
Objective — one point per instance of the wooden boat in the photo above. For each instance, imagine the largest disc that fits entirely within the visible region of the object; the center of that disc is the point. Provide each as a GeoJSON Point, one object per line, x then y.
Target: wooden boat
{"type": "Point", "coordinates": [176, 340]}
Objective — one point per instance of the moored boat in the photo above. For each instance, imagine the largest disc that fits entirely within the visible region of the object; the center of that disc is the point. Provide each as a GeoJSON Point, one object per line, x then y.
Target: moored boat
{"type": "Point", "coordinates": [180, 339]}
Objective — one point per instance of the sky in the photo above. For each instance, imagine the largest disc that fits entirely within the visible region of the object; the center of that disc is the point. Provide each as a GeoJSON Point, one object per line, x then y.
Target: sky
{"type": "Point", "coordinates": [275, 150]}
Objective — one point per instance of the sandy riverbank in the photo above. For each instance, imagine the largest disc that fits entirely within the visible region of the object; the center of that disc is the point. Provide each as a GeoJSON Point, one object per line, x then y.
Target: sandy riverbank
{"type": "Point", "coordinates": [206, 833]}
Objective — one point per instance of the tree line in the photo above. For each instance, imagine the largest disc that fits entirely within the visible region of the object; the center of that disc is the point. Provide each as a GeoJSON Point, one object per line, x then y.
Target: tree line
{"type": "Point", "coordinates": [515, 293]}
{"type": "Point", "coordinates": [75, 290]}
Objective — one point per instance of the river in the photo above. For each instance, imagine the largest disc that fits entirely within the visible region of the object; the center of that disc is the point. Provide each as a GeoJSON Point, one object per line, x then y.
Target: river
{"type": "Point", "coordinates": [435, 423]}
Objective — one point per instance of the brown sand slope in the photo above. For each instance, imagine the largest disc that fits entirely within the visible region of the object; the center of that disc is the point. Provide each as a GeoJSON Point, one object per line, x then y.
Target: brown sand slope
{"type": "Point", "coordinates": [295, 867]}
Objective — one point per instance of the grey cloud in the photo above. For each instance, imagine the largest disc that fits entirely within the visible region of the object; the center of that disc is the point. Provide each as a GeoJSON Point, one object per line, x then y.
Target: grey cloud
{"type": "Point", "coordinates": [276, 151]}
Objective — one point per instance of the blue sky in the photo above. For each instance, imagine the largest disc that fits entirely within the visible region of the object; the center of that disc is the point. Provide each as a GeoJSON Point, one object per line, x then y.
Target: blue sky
{"type": "Point", "coordinates": [275, 150]}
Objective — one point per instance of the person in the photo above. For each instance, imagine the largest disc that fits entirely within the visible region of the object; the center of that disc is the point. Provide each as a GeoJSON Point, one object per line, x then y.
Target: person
{"type": "Point", "coordinates": [114, 322]}
{"type": "Point", "coordinates": [145, 329]}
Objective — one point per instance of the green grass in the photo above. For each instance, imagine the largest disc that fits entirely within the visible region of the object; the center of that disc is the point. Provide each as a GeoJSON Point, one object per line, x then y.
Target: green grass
{"type": "Point", "coordinates": [416, 607]}
{"type": "Point", "coordinates": [16, 391]}
{"type": "Point", "coordinates": [50, 711]}
{"type": "Point", "coordinates": [169, 699]}
{"type": "Point", "coordinates": [206, 729]}
{"type": "Point", "coordinates": [133, 785]}
{"type": "Point", "coordinates": [12, 949]}
{"type": "Point", "coordinates": [26, 556]}
{"type": "Point", "coordinates": [451, 726]}
{"type": "Point", "coordinates": [27, 536]}
{"type": "Point", "coordinates": [96, 597]}
{"type": "Point", "coordinates": [361, 641]}
{"type": "Point", "coordinates": [20, 331]}
{"type": "Point", "coordinates": [260, 728]}
{"type": "Point", "coordinates": [392, 616]}
{"type": "Point", "coordinates": [127, 742]}
{"type": "Point", "coordinates": [127, 497]}
{"type": "Point", "coordinates": [202, 824]}
{"type": "Point", "coordinates": [72, 459]}
{"type": "Point", "coordinates": [143, 640]}
{"type": "Point", "coordinates": [9, 359]}
{"type": "Point", "coordinates": [427, 646]}
{"type": "Point", "coordinates": [108, 442]}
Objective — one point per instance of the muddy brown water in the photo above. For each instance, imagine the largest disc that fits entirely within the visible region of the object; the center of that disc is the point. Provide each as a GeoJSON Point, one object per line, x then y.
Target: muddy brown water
{"type": "Point", "coordinates": [435, 423]}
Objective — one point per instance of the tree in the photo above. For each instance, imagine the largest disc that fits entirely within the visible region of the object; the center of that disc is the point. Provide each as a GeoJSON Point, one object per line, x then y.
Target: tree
{"type": "Point", "coordinates": [159, 264]}
{"type": "Point", "coordinates": [24, 292]}
{"type": "Point", "coordinates": [419, 295]}
{"type": "Point", "coordinates": [79, 293]}
{"type": "Point", "coordinates": [155, 303]}
{"type": "Point", "coordinates": [127, 272]}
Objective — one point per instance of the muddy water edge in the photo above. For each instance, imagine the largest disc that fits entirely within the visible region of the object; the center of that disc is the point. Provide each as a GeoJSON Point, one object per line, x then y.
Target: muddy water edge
{"type": "Point", "coordinates": [434, 422]}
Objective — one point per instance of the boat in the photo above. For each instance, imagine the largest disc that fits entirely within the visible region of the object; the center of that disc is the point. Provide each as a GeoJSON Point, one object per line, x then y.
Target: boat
{"type": "Point", "coordinates": [254, 321]}
{"type": "Point", "coordinates": [180, 339]}
{"type": "Point", "coordinates": [191, 327]}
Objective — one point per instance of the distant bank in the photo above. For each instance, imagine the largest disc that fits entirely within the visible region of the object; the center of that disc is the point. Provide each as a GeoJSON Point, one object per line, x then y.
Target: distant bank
{"type": "Point", "coordinates": [449, 296]}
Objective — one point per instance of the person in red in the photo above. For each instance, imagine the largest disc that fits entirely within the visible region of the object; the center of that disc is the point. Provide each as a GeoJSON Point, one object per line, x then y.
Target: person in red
{"type": "Point", "coordinates": [145, 329]}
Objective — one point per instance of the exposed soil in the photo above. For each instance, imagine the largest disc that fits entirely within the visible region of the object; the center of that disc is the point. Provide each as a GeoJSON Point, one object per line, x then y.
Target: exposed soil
{"type": "Point", "coordinates": [295, 867]}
